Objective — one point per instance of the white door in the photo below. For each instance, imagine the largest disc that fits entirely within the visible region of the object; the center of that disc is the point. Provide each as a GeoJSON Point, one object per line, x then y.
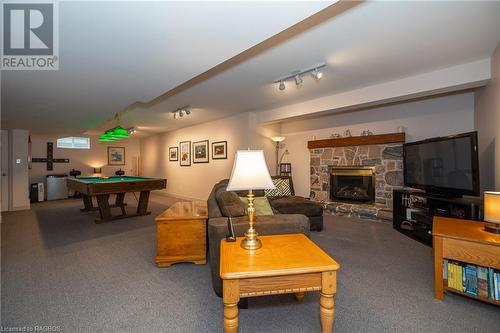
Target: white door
{"type": "Point", "coordinates": [4, 147]}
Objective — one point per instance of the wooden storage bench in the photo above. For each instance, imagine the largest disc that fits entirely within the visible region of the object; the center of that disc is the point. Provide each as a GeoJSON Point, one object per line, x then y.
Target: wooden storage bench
{"type": "Point", "coordinates": [181, 234]}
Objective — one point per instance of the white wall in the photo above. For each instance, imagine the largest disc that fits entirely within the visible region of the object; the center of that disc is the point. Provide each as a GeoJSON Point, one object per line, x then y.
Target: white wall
{"type": "Point", "coordinates": [196, 181]}
{"type": "Point", "coordinates": [422, 119]}
{"type": "Point", "coordinates": [487, 120]}
{"type": "Point", "coordinates": [82, 159]}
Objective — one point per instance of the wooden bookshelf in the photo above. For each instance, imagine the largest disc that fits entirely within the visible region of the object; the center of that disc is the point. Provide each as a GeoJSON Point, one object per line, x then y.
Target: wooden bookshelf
{"type": "Point", "coordinates": [464, 241]}
{"type": "Point", "coordinates": [479, 298]}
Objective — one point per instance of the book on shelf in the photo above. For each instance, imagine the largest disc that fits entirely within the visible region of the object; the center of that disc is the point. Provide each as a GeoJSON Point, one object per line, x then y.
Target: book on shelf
{"type": "Point", "coordinates": [482, 281]}
{"type": "Point", "coordinates": [491, 288]}
{"type": "Point", "coordinates": [471, 279]}
{"type": "Point", "coordinates": [495, 281]}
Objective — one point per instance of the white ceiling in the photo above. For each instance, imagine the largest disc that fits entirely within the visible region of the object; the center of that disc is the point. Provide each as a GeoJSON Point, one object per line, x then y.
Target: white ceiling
{"type": "Point", "coordinates": [113, 54]}
{"type": "Point", "coordinates": [372, 43]}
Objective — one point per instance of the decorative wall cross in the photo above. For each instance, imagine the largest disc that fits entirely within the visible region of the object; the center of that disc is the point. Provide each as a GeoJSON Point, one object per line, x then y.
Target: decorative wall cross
{"type": "Point", "coordinates": [50, 160]}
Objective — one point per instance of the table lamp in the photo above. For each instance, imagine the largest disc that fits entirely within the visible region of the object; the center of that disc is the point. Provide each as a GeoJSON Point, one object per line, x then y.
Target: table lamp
{"type": "Point", "coordinates": [492, 211]}
{"type": "Point", "coordinates": [250, 173]}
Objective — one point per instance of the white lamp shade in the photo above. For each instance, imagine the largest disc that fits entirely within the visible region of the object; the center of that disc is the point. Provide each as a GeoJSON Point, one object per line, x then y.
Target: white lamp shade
{"type": "Point", "coordinates": [492, 207]}
{"type": "Point", "coordinates": [250, 172]}
{"type": "Point", "coordinates": [277, 138]}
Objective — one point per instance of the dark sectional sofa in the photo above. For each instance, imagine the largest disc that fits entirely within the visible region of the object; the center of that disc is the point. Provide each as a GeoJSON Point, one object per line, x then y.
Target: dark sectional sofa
{"type": "Point", "coordinates": [290, 216]}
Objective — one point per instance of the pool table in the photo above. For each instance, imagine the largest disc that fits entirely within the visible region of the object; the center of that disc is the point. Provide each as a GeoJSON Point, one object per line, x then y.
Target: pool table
{"type": "Point", "coordinates": [103, 187]}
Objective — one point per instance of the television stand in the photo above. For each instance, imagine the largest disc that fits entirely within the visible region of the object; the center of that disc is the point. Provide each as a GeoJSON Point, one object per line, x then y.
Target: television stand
{"type": "Point", "coordinates": [414, 210]}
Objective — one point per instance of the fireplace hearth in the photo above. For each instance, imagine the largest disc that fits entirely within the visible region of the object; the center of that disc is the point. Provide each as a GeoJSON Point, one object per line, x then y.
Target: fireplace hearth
{"type": "Point", "coordinates": [355, 184]}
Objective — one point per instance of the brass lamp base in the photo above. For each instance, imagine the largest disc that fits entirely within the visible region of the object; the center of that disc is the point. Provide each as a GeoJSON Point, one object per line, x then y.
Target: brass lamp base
{"type": "Point", "coordinates": [251, 244]}
{"type": "Point", "coordinates": [493, 228]}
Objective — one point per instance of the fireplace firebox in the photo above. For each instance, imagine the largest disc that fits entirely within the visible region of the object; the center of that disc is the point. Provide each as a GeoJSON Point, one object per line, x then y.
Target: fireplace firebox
{"type": "Point", "coordinates": [352, 184]}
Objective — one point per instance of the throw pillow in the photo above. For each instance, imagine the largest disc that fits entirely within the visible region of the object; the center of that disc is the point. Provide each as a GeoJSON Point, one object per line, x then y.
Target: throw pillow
{"type": "Point", "coordinates": [230, 204]}
{"type": "Point", "coordinates": [261, 205]}
{"type": "Point", "coordinates": [282, 188]}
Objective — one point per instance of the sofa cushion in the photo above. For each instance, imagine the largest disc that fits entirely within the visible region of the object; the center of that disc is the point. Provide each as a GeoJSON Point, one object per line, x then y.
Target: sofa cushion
{"type": "Point", "coordinates": [282, 188]}
{"type": "Point", "coordinates": [261, 205]}
{"type": "Point", "coordinates": [230, 204]}
{"type": "Point", "coordinates": [297, 205]}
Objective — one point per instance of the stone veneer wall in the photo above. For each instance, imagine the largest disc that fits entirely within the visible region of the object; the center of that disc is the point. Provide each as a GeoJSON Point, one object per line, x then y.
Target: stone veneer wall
{"type": "Point", "coordinates": [388, 162]}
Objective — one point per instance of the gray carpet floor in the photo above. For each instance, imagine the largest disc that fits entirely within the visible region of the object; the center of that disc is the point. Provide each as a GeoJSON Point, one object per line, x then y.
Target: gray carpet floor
{"type": "Point", "coordinates": [59, 268]}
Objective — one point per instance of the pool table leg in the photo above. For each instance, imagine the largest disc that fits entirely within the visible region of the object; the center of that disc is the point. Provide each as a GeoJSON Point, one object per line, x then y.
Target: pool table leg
{"type": "Point", "coordinates": [142, 207]}
{"type": "Point", "coordinates": [87, 203]}
{"type": "Point", "coordinates": [119, 202]}
{"type": "Point", "coordinates": [104, 208]}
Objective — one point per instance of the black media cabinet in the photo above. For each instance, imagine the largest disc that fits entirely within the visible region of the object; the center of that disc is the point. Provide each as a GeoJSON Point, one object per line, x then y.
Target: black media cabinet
{"type": "Point", "coordinates": [414, 210]}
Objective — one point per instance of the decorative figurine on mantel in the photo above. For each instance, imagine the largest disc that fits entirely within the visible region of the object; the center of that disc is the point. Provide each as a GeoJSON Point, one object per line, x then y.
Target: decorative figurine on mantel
{"type": "Point", "coordinates": [335, 136]}
{"type": "Point", "coordinates": [347, 133]}
{"type": "Point", "coordinates": [366, 133]}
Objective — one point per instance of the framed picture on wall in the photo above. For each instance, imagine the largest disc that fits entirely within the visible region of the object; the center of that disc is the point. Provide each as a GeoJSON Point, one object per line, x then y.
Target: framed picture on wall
{"type": "Point", "coordinates": [173, 153]}
{"type": "Point", "coordinates": [116, 155]}
{"type": "Point", "coordinates": [185, 153]}
{"type": "Point", "coordinates": [219, 150]}
{"type": "Point", "coordinates": [200, 151]}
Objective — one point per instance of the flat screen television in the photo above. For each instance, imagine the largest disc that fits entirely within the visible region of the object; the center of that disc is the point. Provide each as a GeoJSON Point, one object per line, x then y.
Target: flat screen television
{"type": "Point", "coordinates": [447, 166]}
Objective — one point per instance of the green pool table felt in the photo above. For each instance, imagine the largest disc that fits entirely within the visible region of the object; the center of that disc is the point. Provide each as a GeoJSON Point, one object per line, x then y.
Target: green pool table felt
{"type": "Point", "coordinates": [112, 179]}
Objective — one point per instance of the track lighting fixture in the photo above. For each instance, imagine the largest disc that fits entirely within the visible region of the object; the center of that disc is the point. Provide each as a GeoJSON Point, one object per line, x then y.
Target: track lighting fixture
{"type": "Point", "coordinates": [297, 75]}
{"type": "Point", "coordinates": [180, 112]}
{"type": "Point", "coordinates": [298, 80]}
{"type": "Point", "coordinates": [282, 85]}
{"type": "Point", "coordinates": [317, 74]}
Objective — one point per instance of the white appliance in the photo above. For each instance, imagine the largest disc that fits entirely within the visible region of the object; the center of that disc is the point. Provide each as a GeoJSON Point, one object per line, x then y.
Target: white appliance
{"type": "Point", "coordinates": [41, 192]}
{"type": "Point", "coordinates": [56, 187]}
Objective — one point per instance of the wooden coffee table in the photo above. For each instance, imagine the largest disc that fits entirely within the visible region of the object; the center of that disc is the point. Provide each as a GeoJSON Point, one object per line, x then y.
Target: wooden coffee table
{"type": "Point", "coordinates": [286, 264]}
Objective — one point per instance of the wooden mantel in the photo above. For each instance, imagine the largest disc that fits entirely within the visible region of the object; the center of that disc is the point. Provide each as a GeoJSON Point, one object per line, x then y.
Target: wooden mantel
{"type": "Point", "coordinates": [358, 141]}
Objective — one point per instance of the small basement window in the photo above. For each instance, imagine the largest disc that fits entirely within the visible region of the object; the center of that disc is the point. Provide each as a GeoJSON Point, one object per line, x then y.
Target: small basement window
{"type": "Point", "coordinates": [74, 142]}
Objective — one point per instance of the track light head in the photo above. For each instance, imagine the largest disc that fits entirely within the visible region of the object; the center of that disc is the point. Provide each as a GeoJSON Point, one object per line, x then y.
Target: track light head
{"type": "Point", "coordinates": [298, 80]}
{"type": "Point", "coordinates": [180, 112]}
{"type": "Point", "coordinates": [282, 85]}
{"type": "Point", "coordinates": [317, 74]}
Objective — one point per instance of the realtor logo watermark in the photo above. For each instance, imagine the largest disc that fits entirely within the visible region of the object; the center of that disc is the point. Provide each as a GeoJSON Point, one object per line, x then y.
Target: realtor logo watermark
{"type": "Point", "coordinates": [30, 32]}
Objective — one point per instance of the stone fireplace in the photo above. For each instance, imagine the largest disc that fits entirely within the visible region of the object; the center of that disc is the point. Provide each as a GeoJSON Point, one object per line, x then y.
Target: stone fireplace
{"type": "Point", "coordinates": [354, 184]}
{"type": "Point", "coordinates": [380, 162]}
